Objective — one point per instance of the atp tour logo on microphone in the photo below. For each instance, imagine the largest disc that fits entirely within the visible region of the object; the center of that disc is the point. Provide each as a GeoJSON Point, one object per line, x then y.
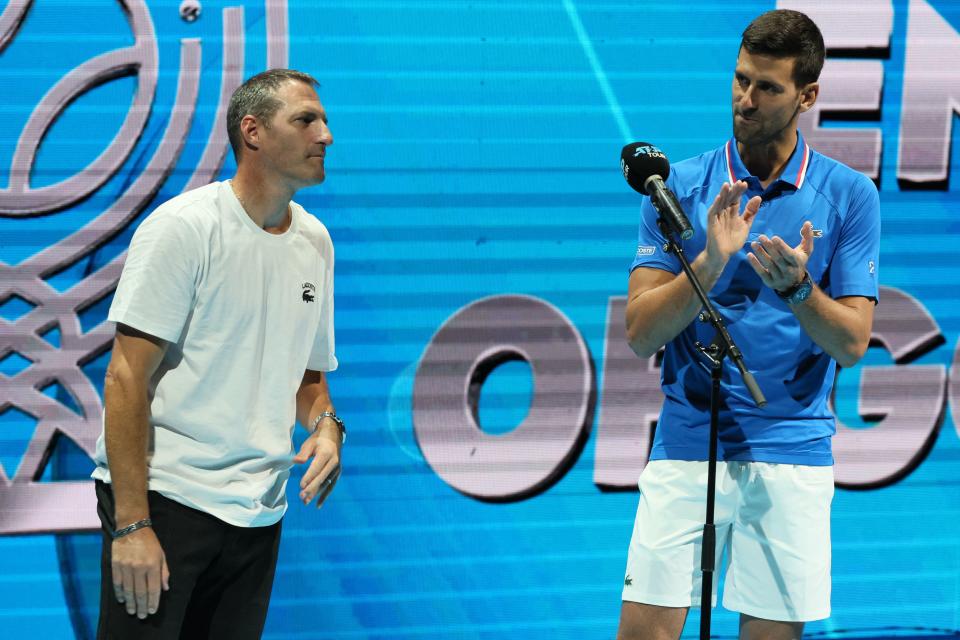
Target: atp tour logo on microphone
{"type": "Point", "coordinates": [47, 290]}
{"type": "Point", "coordinates": [648, 150]}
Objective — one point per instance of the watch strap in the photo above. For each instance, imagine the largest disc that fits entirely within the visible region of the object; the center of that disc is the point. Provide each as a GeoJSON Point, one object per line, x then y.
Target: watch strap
{"type": "Point", "coordinates": [336, 419]}
{"type": "Point", "coordinates": [798, 292]}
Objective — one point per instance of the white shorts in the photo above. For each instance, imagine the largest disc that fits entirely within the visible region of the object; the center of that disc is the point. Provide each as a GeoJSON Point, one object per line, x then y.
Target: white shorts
{"type": "Point", "coordinates": [773, 520]}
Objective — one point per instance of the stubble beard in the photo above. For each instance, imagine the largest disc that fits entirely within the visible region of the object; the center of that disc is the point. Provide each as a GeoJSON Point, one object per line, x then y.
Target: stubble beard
{"type": "Point", "coordinates": [762, 135]}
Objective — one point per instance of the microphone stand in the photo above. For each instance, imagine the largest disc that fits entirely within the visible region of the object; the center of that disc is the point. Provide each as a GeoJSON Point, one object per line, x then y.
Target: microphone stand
{"type": "Point", "coordinates": [721, 347]}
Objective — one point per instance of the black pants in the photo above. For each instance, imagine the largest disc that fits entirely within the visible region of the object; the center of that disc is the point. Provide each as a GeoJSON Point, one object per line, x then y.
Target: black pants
{"type": "Point", "coordinates": [220, 576]}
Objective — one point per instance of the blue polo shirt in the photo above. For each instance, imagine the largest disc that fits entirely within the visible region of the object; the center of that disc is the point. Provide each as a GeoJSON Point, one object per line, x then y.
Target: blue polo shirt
{"type": "Point", "coordinates": [795, 374]}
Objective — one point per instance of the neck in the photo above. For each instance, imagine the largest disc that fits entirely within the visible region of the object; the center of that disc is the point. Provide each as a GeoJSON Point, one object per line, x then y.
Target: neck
{"type": "Point", "coordinates": [267, 202]}
{"type": "Point", "coordinates": [768, 160]}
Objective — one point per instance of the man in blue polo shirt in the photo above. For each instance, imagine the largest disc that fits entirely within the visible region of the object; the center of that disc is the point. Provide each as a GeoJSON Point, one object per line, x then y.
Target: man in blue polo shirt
{"type": "Point", "coordinates": [794, 275]}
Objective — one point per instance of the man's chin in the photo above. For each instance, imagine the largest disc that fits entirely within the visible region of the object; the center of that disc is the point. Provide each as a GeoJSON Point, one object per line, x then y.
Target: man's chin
{"type": "Point", "coordinates": [748, 138]}
{"type": "Point", "coordinates": [313, 179]}
{"type": "Point", "coordinates": [742, 134]}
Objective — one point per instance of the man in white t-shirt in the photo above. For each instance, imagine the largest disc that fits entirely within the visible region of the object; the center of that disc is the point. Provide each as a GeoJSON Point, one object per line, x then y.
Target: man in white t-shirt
{"type": "Point", "coordinates": [224, 319]}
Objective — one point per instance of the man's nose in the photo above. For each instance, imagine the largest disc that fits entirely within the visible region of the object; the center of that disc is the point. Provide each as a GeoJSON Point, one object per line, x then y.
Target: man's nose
{"type": "Point", "coordinates": [324, 135]}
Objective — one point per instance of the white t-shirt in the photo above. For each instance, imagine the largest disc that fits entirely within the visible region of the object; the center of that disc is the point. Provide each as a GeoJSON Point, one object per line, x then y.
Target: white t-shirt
{"type": "Point", "coordinates": [246, 312]}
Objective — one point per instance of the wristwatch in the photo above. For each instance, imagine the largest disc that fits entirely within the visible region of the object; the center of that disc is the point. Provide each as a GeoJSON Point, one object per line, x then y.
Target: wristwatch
{"type": "Point", "coordinates": [336, 419]}
{"type": "Point", "coordinates": [798, 292]}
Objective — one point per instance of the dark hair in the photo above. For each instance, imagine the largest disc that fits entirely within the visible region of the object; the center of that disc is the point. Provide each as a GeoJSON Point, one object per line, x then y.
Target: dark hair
{"type": "Point", "coordinates": [783, 33]}
{"type": "Point", "coordinates": [257, 97]}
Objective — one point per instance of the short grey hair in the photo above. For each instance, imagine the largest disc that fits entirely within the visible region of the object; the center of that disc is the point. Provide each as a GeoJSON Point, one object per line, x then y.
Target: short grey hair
{"type": "Point", "coordinates": [257, 97]}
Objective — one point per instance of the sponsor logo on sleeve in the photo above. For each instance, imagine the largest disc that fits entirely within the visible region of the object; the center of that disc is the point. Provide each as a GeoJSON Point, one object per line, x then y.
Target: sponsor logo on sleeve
{"type": "Point", "coordinates": [645, 250]}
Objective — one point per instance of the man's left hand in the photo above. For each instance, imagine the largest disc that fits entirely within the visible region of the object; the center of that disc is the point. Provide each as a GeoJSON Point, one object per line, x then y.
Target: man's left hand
{"type": "Point", "coordinates": [323, 446]}
{"type": "Point", "coordinates": [778, 265]}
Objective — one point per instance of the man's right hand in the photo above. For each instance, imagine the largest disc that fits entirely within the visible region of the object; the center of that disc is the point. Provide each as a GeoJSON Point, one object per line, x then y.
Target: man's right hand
{"type": "Point", "coordinates": [727, 230]}
{"type": "Point", "coordinates": [139, 572]}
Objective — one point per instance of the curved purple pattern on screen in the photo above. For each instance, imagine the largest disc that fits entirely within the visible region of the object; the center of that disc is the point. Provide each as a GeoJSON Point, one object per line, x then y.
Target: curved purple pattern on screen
{"type": "Point", "coordinates": [131, 203]}
{"type": "Point", "coordinates": [530, 458]}
{"type": "Point", "coordinates": [954, 389]}
{"type": "Point", "coordinates": [907, 401]}
{"type": "Point", "coordinates": [46, 500]}
{"type": "Point", "coordinates": [11, 19]}
{"type": "Point", "coordinates": [26, 505]}
{"type": "Point", "coordinates": [19, 199]}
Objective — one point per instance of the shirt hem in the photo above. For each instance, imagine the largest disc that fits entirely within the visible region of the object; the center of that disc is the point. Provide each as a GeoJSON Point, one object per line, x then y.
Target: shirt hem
{"type": "Point", "coordinates": [662, 266]}
{"type": "Point", "coordinates": [144, 325]}
{"type": "Point", "coordinates": [103, 474]}
{"type": "Point", "coordinates": [754, 455]}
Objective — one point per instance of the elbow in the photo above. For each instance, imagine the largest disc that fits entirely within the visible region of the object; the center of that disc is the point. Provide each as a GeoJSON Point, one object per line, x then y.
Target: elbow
{"type": "Point", "coordinates": [640, 347]}
{"type": "Point", "coordinates": [112, 381]}
{"type": "Point", "coordinates": [116, 377]}
{"type": "Point", "coordinates": [640, 328]}
{"type": "Point", "coordinates": [852, 354]}
{"type": "Point", "coordinates": [643, 351]}
{"type": "Point", "coordinates": [119, 383]}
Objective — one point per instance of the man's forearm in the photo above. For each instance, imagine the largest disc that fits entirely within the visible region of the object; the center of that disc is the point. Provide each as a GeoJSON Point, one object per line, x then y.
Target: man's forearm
{"type": "Point", "coordinates": [658, 315]}
{"type": "Point", "coordinates": [125, 432]}
{"type": "Point", "coordinates": [316, 408]}
{"type": "Point", "coordinates": [313, 398]}
{"type": "Point", "coordinates": [835, 327]}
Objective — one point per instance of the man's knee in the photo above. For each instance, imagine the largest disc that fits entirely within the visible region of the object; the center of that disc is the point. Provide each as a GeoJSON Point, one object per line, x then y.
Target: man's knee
{"type": "Point", "coordinates": [640, 621]}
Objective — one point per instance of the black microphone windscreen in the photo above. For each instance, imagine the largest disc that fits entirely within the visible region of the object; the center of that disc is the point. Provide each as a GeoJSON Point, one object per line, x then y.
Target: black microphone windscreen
{"type": "Point", "coordinates": [639, 161]}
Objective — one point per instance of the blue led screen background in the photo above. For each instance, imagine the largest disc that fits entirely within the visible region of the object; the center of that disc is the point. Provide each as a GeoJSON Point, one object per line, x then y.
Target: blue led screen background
{"type": "Point", "coordinates": [481, 222]}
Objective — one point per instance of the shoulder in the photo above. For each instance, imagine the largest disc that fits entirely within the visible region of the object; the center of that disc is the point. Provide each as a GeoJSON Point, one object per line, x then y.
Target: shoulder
{"type": "Point", "coordinates": [845, 188]}
{"type": "Point", "coordinates": [313, 230]}
{"type": "Point", "coordinates": [189, 215]}
{"type": "Point", "coordinates": [692, 175]}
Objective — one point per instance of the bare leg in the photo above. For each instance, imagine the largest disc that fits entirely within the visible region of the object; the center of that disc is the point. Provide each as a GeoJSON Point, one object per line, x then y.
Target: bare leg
{"type": "Point", "coordinates": [650, 622]}
{"type": "Point", "coordinates": [758, 629]}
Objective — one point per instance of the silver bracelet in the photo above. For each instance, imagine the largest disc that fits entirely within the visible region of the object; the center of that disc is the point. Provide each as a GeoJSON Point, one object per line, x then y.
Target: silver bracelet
{"type": "Point", "coordinates": [139, 524]}
{"type": "Point", "coordinates": [337, 421]}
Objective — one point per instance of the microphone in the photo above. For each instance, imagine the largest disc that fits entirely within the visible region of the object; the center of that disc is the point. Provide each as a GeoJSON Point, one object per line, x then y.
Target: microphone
{"type": "Point", "coordinates": [645, 168]}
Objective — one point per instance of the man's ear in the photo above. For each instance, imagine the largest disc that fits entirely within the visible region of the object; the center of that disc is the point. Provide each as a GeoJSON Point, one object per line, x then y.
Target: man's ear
{"type": "Point", "coordinates": [808, 96]}
{"type": "Point", "coordinates": [250, 132]}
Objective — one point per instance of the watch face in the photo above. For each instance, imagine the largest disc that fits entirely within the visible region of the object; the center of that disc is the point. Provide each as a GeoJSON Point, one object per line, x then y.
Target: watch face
{"type": "Point", "coordinates": [802, 293]}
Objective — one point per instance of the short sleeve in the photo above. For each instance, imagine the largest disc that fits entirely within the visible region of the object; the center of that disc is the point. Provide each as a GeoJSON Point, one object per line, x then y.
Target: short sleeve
{"type": "Point", "coordinates": [650, 243]}
{"type": "Point", "coordinates": [322, 356]}
{"type": "Point", "coordinates": [855, 266]}
{"type": "Point", "coordinates": [159, 279]}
